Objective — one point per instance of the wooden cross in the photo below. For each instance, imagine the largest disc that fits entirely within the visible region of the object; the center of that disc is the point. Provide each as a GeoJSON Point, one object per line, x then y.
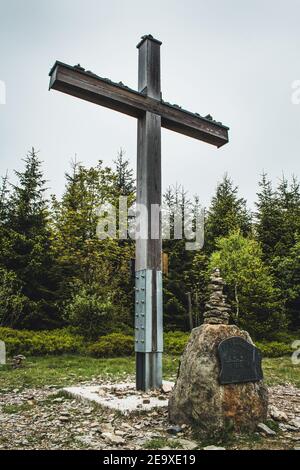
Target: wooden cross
{"type": "Point", "coordinates": [152, 113]}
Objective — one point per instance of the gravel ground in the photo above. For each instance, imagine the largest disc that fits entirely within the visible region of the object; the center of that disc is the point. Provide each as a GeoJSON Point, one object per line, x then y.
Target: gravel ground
{"type": "Point", "coordinates": [47, 419]}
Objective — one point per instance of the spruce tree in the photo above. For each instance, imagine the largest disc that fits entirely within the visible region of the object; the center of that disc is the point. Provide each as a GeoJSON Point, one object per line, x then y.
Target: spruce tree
{"type": "Point", "coordinates": [277, 217]}
{"type": "Point", "coordinates": [268, 218]}
{"type": "Point", "coordinates": [96, 271]}
{"type": "Point", "coordinates": [287, 273]}
{"type": "Point", "coordinates": [124, 175]}
{"type": "Point", "coordinates": [30, 256]}
{"type": "Point", "coordinates": [4, 200]}
{"type": "Point", "coordinates": [177, 284]}
{"type": "Point", "coordinates": [227, 212]}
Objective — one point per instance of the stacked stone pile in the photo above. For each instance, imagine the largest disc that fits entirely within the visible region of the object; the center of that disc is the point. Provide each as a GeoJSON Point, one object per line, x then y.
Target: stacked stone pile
{"type": "Point", "coordinates": [217, 311]}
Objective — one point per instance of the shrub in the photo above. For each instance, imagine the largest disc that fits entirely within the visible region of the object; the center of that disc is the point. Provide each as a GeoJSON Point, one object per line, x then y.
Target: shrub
{"type": "Point", "coordinates": [175, 342]}
{"type": "Point", "coordinates": [275, 349]}
{"type": "Point", "coordinates": [286, 337]}
{"type": "Point", "coordinates": [66, 341]}
{"type": "Point", "coordinates": [38, 343]}
{"type": "Point", "coordinates": [112, 345]}
{"type": "Point", "coordinates": [12, 301]}
{"type": "Point", "coordinates": [90, 313]}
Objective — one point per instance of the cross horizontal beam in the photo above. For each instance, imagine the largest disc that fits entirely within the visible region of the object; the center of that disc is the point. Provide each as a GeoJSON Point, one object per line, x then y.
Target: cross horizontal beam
{"type": "Point", "coordinates": [86, 85]}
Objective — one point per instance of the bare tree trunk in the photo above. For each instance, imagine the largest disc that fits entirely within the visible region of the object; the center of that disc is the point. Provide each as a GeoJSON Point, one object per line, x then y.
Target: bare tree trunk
{"type": "Point", "coordinates": [197, 309]}
{"type": "Point", "coordinates": [236, 301]}
{"type": "Point", "coordinates": [189, 296]}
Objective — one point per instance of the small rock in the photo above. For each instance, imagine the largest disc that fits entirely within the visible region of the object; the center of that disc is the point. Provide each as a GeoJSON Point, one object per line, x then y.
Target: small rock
{"type": "Point", "coordinates": [17, 361]}
{"type": "Point", "coordinates": [188, 445]}
{"type": "Point", "coordinates": [120, 433]}
{"type": "Point", "coordinates": [94, 425]}
{"type": "Point", "coordinates": [146, 401]}
{"type": "Point", "coordinates": [295, 422]}
{"type": "Point", "coordinates": [112, 438]}
{"type": "Point", "coordinates": [167, 387]}
{"type": "Point", "coordinates": [106, 427]}
{"type": "Point", "coordinates": [265, 429]}
{"type": "Point", "coordinates": [64, 419]}
{"type": "Point", "coordinates": [126, 426]}
{"type": "Point", "coordinates": [277, 415]}
{"type": "Point", "coordinates": [288, 427]}
{"type": "Point", "coordinates": [213, 448]}
{"type": "Point", "coordinates": [174, 429]}
{"type": "Point", "coordinates": [84, 440]}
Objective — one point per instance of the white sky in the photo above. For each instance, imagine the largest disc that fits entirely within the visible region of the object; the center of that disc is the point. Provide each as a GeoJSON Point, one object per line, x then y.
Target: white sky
{"type": "Point", "coordinates": [233, 59]}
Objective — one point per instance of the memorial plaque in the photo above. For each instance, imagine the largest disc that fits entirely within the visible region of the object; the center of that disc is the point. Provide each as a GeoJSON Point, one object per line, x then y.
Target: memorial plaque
{"type": "Point", "coordinates": [240, 361]}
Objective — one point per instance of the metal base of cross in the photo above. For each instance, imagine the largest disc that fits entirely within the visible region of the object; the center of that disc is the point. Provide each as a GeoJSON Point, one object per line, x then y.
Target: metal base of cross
{"type": "Point", "coordinates": [148, 371]}
{"type": "Point", "coordinates": [148, 329]}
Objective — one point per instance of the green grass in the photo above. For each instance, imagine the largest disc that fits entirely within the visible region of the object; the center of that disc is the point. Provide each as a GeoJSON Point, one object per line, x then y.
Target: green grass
{"type": "Point", "coordinates": [160, 443]}
{"type": "Point", "coordinates": [70, 369]}
{"type": "Point", "coordinates": [281, 370]}
{"type": "Point", "coordinates": [14, 409]}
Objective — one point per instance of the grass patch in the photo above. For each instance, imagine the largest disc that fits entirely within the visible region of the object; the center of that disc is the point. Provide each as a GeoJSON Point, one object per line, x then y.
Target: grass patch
{"type": "Point", "coordinates": [156, 443]}
{"type": "Point", "coordinates": [63, 370]}
{"type": "Point", "coordinates": [70, 369]}
{"type": "Point", "coordinates": [280, 370]}
{"type": "Point", "coordinates": [14, 409]}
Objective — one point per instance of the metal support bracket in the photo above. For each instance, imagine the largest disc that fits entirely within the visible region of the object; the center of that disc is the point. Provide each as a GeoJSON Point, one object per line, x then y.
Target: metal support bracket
{"type": "Point", "coordinates": [144, 323]}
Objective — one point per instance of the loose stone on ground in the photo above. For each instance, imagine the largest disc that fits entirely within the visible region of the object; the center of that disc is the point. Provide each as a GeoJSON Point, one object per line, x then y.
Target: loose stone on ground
{"type": "Point", "coordinates": [30, 419]}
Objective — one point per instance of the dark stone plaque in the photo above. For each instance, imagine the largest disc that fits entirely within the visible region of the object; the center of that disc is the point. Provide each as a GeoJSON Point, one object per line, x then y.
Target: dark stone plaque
{"type": "Point", "coordinates": [240, 361]}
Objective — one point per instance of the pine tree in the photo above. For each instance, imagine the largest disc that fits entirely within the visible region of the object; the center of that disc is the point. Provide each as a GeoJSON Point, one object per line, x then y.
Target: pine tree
{"type": "Point", "coordinates": [196, 279]}
{"type": "Point", "coordinates": [96, 271]}
{"type": "Point", "coordinates": [124, 175]}
{"type": "Point", "coordinates": [268, 218]}
{"type": "Point", "coordinates": [176, 284]}
{"type": "Point", "coordinates": [4, 200]}
{"type": "Point", "coordinates": [227, 212]}
{"type": "Point", "coordinates": [28, 242]}
{"type": "Point", "coordinates": [277, 217]}
{"type": "Point", "coordinates": [287, 274]}
{"type": "Point", "coordinates": [289, 203]}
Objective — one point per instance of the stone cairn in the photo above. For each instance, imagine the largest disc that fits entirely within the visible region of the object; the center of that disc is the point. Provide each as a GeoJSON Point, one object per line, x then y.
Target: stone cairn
{"type": "Point", "coordinates": [217, 311]}
{"type": "Point", "coordinates": [198, 398]}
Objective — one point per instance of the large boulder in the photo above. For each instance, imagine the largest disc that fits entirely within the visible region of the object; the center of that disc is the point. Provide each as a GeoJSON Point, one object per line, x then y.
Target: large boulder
{"type": "Point", "coordinates": [200, 400]}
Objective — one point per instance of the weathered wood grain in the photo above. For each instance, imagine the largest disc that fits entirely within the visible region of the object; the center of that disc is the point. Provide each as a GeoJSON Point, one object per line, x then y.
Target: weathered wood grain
{"type": "Point", "coordinates": [90, 87]}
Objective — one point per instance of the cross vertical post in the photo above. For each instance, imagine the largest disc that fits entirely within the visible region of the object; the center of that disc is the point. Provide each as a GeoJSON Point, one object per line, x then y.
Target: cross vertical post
{"type": "Point", "coordinates": [148, 307]}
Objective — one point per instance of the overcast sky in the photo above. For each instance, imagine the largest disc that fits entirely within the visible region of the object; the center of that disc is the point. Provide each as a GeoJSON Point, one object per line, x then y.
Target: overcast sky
{"type": "Point", "coordinates": [234, 59]}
